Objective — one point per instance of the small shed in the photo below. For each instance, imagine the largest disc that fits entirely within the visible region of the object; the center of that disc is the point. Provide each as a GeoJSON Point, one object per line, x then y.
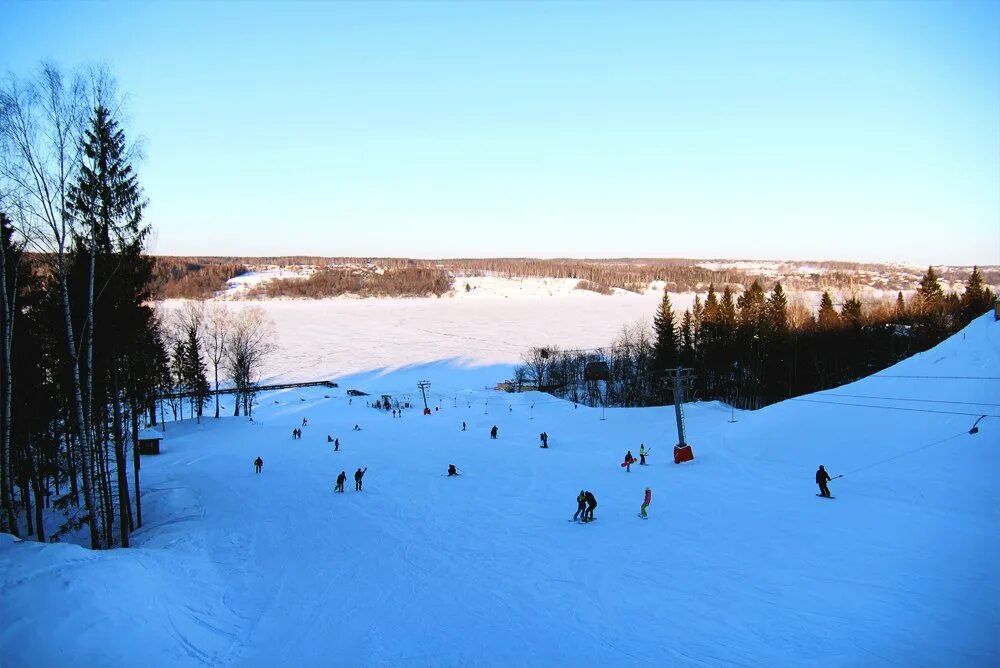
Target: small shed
{"type": "Point", "coordinates": [149, 442]}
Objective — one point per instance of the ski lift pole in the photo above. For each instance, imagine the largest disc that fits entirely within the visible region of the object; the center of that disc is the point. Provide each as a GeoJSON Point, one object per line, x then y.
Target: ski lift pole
{"type": "Point", "coordinates": [682, 451]}
{"type": "Point", "coordinates": [423, 385]}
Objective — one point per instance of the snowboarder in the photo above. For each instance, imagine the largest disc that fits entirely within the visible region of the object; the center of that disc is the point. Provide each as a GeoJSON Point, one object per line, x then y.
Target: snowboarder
{"type": "Point", "coordinates": [258, 464]}
{"type": "Point", "coordinates": [357, 428]}
{"type": "Point", "coordinates": [336, 444]}
{"type": "Point", "coordinates": [645, 503]}
{"type": "Point", "coordinates": [340, 481]}
{"type": "Point", "coordinates": [581, 505]}
{"type": "Point", "coordinates": [357, 479]}
{"type": "Point", "coordinates": [493, 432]}
{"type": "Point", "coordinates": [329, 439]}
{"type": "Point", "coordinates": [452, 470]}
{"type": "Point", "coordinates": [591, 500]}
{"type": "Point", "coordinates": [629, 459]}
{"type": "Point", "coordinates": [822, 477]}
{"type": "Point", "coordinates": [642, 455]}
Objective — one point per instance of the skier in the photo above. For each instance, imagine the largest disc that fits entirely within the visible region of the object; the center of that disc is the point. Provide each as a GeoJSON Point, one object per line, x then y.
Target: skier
{"type": "Point", "coordinates": [581, 505]}
{"type": "Point", "coordinates": [642, 455]}
{"type": "Point", "coordinates": [295, 434]}
{"type": "Point", "coordinates": [340, 481]}
{"type": "Point", "coordinates": [305, 422]}
{"type": "Point", "coordinates": [336, 444]}
{"type": "Point", "coordinates": [822, 477]}
{"type": "Point", "coordinates": [393, 412]}
{"type": "Point", "coordinates": [357, 479]}
{"type": "Point", "coordinates": [591, 500]}
{"type": "Point", "coordinates": [463, 426]}
{"type": "Point", "coordinates": [258, 464]}
{"type": "Point", "coordinates": [357, 428]}
{"type": "Point", "coordinates": [493, 432]}
{"type": "Point", "coordinates": [545, 438]}
{"type": "Point", "coordinates": [452, 470]}
{"type": "Point", "coordinates": [645, 503]}
{"type": "Point", "coordinates": [628, 461]}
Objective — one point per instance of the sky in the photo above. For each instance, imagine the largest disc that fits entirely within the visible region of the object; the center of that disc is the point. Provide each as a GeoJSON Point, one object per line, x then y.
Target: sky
{"type": "Point", "coordinates": [790, 130]}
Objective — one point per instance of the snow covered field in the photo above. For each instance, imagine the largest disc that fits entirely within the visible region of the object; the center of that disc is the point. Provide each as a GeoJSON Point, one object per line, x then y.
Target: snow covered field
{"type": "Point", "coordinates": [495, 322]}
{"type": "Point", "coordinates": [739, 563]}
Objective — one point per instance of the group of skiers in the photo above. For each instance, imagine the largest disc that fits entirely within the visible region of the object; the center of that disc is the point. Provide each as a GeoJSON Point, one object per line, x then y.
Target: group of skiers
{"type": "Point", "coordinates": [545, 439]}
{"type": "Point", "coordinates": [335, 441]}
{"type": "Point", "coordinates": [342, 478]}
{"type": "Point", "coordinates": [585, 504]}
{"type": "Point", "coordinates": [296, 433]}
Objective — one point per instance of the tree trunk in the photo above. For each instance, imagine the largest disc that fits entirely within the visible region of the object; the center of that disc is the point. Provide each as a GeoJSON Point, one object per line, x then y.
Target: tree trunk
{"type": "Point", "coordinates": [8, 521]}
{"type": "Point", "coordinates": [40, 499]}
{"type": "Point", "coordinates": [135, 464]}
{"type": "Point", "coordinates": [121, 467]}
{"type": "Point", "coordinates": [216, 389]}
{"type": "Point", "coordinates": [83, 433]}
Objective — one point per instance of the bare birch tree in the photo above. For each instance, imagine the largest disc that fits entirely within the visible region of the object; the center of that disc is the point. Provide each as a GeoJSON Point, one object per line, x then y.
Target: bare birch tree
{"type": "Point", "coordinates": [251, 340]}
{"type": "Point", "coordinates": [43, 124]}
{"type": "Point", "coordinates": [218, 323]}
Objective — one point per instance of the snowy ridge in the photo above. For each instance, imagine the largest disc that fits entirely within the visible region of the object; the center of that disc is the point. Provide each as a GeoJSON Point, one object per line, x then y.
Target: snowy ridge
{"type": "Point", "coordinates": [739, 563]}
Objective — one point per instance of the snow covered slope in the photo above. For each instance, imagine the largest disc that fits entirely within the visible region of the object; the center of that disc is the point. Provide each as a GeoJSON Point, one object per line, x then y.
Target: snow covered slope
{"type": "Point", "coordinates": [739, 563]}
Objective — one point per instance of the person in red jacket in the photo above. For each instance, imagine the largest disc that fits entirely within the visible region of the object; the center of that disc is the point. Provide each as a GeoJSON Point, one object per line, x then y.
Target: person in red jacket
{"type": "Point", "coordinates": [645, 503]}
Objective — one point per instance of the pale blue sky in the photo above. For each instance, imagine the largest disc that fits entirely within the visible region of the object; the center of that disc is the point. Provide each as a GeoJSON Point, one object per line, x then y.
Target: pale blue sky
{"type": "Point", "coordinates": [826, 130]}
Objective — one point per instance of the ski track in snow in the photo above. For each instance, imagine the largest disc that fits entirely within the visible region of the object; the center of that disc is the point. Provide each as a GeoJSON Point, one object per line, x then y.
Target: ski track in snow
{"type": "Point", "coordinates": [738, 565]}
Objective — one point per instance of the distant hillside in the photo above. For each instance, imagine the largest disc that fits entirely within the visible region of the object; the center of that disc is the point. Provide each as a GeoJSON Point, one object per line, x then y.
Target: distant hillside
{"type": "Point", "coordinates": [316, 277]}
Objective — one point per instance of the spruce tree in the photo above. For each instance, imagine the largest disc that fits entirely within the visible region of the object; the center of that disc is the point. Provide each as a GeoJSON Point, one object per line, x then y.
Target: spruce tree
{"type": "Point", "coordinates": [195, 374]}
{"type": "Point", "coordinates": [828, 318]}
{"type": "Point", "coordinates": [901, 314]}
{"type": "Point", "coordinates": [977, 298]}
{"type": "Point", "coordinates": [852, 312]}
{"type": "Point", "coordinates": [666, 344]}
{"type": "Point", "coordinates": [687, 339]}
{"type": "Point", "coordinates": [776, 310]}
{"type": "Point", "coordinates": [930, 293]}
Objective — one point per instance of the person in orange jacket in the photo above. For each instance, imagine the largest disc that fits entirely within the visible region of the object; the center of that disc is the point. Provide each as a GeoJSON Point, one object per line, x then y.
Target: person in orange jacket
{"type": "Point", "coordinates": [645, 503]}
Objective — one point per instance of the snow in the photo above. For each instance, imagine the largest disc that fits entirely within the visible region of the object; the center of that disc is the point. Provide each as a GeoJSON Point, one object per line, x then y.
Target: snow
{"type": "Point", "coordinates": [738, 564]}
{"type": "Point", "coordinates": [495, 322]}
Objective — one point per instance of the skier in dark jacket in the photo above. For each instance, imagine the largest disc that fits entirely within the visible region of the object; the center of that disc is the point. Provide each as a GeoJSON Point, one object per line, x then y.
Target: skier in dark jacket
{"type": "Point", "coordinates": [591, 500]}
{"type": "Point", "coordinates": [581, 505]}
{"type": "Point", "coordinates": [822, 477]}
{"type": "Point", "coordinates": [493, 432]}
{"type": "Point", "coordinates": [452, 470]}
{"type": "Point", "coordinates": [357, 479]}
{"type": "Point", "coordinates": [341, 479]}
{"type": "Point", "coordinates": [258, 464]}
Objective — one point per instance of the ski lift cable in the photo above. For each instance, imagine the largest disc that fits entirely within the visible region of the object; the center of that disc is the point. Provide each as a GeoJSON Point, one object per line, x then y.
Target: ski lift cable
{"type": "Point", "coordinates": [933, 401]}
{"type": "Point", "coordinates": [891, 408]}
{"type": "Point", "coordinates": [901, 454]}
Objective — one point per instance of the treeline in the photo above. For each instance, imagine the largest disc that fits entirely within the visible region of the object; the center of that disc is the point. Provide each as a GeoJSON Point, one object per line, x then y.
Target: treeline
{"type": "Point", "coordinates": [404, 281]}
{"type": "Point", "coordinates": [81, 350]}
{"type": "Point", "coordinates": [182, 278]}
{"type": "Point", "coordinates": [749, 352]}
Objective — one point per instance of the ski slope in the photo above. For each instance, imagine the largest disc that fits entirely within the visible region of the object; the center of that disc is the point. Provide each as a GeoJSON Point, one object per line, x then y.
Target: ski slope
{"type": "Point", "coordinates": [739, 563]}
